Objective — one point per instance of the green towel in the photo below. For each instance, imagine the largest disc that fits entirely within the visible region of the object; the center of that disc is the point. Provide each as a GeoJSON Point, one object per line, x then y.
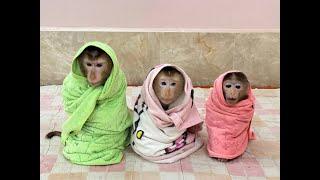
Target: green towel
{"type": "Point", "coordinates": [98, 127]}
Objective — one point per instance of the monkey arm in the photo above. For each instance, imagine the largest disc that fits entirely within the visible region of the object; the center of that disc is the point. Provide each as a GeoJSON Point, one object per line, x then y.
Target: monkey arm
{"type": "Point", "coordinates": [252, 134]}
{"type": "Point", "coordinates": [196, 128]}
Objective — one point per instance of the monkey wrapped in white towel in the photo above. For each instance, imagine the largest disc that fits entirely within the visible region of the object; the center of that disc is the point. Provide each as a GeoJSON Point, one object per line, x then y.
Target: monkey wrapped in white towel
{"type": "Point", "coordinates": [166, 121]}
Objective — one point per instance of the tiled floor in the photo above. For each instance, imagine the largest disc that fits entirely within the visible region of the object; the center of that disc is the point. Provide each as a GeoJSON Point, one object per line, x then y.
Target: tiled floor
{"type": "Point", "coordinates": [260, 161]}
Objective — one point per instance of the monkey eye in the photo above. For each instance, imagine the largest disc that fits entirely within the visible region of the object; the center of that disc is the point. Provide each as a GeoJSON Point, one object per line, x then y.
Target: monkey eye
{"type": "Point", "coordinates": [99, 65]}
{"type": "Point", "coordinates": [238, 86]}
{"type": "Point", "coordinates": [163, 83]}
{"type": "Point", "coordinates": [228, 85]}
{"type": "Point", "coordinates": [88, 64]}
{"type": "Point", "coordinates": [173, 84]}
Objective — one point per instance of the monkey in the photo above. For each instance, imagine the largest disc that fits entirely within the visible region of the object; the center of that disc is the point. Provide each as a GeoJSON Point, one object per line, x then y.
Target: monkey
{"type": "Point", "coordinates": [168, 85]}
{"type": "Point", "coordinates": [235, 87]}
{"type": "Point", "coordinates": [96, 66]}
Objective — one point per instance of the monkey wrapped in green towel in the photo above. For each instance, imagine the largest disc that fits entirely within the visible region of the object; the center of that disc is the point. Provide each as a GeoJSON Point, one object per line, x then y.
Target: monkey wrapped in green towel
{"type": "Point", "coordinates": [97, 130]}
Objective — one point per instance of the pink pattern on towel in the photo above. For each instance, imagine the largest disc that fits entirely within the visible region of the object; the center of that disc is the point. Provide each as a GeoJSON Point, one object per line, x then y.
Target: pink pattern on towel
{"type": "Point", "coordinates": [186, 138]}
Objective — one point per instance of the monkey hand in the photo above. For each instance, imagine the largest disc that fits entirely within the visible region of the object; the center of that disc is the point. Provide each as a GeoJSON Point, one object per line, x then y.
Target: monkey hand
{"type": "Point", "coordinates": [196, 128]}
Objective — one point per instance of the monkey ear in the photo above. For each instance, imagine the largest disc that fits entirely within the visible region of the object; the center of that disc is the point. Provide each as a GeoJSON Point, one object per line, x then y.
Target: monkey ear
{"type": "Point", "coordinates": [192, 96]}
{"type": "Point", "coordinates": [149, 72]}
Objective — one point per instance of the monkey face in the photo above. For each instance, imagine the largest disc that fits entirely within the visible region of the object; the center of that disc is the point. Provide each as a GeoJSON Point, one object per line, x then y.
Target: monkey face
{"type": "Point", "coordinates": [97, 71]}
{"type": "Point", "coordinates": [234, 91]}
{"type": "Point", "coordinates": [168, 88]}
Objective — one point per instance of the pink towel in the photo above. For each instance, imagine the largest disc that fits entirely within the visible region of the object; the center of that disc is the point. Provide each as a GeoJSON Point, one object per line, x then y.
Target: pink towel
{"type": "Point", "coordinates": [228, 126]}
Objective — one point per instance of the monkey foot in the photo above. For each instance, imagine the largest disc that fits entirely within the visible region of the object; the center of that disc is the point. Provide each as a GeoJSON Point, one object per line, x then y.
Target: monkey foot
{"type": "Point", "coordinates": [222, 160]}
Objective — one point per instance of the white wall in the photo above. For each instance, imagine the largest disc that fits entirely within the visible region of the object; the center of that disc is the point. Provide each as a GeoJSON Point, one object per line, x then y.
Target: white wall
{"type": "Point", "coordinates": [184, 14]}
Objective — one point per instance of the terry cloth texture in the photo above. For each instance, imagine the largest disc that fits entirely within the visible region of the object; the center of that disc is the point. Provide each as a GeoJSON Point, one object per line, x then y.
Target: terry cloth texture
{"type": "Point", "coordinates": [160, 135]}
{"type": "Point", "coordinates": [98, 127]}
{"type": "Point", "coordinates": [228, 126]}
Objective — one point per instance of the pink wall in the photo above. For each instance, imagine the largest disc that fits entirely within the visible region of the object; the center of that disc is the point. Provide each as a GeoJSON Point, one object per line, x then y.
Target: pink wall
{"type": "Point", "coordinates": [207, 14]}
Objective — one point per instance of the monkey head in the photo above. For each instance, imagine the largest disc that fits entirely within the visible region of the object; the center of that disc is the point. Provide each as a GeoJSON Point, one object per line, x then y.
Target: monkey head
{"type": "Point", "coordinates": [235, 87]}
{"type": "Point", "coordinates": [96, 65]}
{"type": "Point", "coordinates": [168, 85]}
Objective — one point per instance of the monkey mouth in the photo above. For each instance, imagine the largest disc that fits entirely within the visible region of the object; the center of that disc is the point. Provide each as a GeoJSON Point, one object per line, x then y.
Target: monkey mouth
{"type": "Point", "coordinates": [231, 100]}
{"type": "Point", "coordinates": [166, 101]}
{"type": "Point", "coordinates": [95, 84]}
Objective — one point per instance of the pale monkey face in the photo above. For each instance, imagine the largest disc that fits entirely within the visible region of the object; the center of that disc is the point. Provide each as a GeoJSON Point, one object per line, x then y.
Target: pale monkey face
{"type": "Point", "coordinates": [235, 90]}
{"type": "Point", "coordinates": [168, 88]}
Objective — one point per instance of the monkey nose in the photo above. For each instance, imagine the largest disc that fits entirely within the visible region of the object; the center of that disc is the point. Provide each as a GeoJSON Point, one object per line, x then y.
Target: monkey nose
{"type": "Point", "coordinates": [93, 80]}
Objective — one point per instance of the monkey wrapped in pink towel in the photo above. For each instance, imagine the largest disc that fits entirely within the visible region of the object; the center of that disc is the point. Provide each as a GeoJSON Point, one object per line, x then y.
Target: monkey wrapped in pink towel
{"type": "Point", "coordinates": [228, 126]}
{"type": "Point", "coordinates": [164, 136]}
